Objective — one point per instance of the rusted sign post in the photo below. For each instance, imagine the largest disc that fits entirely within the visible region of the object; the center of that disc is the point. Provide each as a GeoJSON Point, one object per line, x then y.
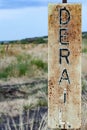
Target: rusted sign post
{"type": "Point", "coordinates": [64, 66]}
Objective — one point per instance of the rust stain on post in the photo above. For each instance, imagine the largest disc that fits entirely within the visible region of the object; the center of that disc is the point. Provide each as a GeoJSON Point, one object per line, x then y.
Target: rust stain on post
{"type": "Point", "coordinates": [64, 66]}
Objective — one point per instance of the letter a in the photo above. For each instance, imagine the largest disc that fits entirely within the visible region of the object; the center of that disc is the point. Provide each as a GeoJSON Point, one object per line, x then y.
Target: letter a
{"type": "Point", "coordinates": [64, 76]}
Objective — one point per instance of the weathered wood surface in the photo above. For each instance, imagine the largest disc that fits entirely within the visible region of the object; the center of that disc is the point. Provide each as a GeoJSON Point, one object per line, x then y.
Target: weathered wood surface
{"type": "Point", "coordinates": [64, 66]}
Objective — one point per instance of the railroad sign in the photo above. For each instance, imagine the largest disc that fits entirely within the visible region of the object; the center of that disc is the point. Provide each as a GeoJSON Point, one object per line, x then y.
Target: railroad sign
{"type": "Point", "coordinates": [64, 66]}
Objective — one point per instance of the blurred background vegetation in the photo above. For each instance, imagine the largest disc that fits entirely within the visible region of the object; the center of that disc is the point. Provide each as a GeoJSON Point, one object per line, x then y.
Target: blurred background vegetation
{"type": "Point", "coordinates": [24, 87]}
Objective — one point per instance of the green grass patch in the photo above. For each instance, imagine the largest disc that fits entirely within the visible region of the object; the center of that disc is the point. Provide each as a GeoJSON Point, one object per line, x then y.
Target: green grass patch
{"type": "Point", "coordinates": [3, 75]}
{"type": "Point", "coordinates": [22, 68]}
{"type": "Point", "coordinates": [42, 102]}
{"type": "Point", "coordinates": [40, 64]}
{"type": "Point", "coordinates": [24, 65]}
{"type": "Point", "coordinates": [84, 41]}
{"type": "Point", "coordinates": [28, 107]}
{"type": "Point", "coordinates": [2, 50]}
{"type": "Point", "coordinates": [84, 50]}
{"type": "Point", "coordinates": [7, 71]}
{"type": "Point", "coordinates": [84, 86]}
{"type": "Point", "coordinates": [84, 35]}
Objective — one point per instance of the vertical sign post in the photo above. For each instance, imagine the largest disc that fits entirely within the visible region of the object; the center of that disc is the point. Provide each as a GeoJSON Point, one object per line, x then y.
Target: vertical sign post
{"type": "Point", "coordinates": [64, 1]}
{"type": "Point", "coordinates": [64, 66]}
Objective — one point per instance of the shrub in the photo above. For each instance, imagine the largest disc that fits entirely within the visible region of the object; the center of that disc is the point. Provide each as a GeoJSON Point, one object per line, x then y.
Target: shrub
{"type": "Point", "coordinates": [40, 64]}
{"type": "Point", "coordinates": [84, 50]}
{"type": "Point", "coordinates": [8, 71]}
{"type": "Point", "coordinates": [84, 86]}
{"type": "Point", "coordinates": [23, 41]}
{"type": "Point", "coordinates": [3, 75]}
{"type": "Point", "coordinates": [84, 35]}
{"type": "Point", "coordinates": [24, 65]}
{"type": "Point", "coordinates": [2, 50]}
{"type": "Point", "coordinates": [39, 41]}
{"type": "Point", "coordinates": [42, 102]}
{"type": "Point", "coordinates": [27, 107]}
{"type": "Point", "coordinates": [22, 68]}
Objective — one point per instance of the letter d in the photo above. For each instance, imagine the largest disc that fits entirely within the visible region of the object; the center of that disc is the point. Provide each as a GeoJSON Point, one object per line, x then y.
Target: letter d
{"type": "Point", "coordinates": [61, 14]}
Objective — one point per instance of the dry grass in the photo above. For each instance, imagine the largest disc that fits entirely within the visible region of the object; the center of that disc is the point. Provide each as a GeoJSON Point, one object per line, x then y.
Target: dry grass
{"type": "Point", "coordinates": [28, 121]}
{"type": "Point", "coordinates": [37, 50]}
{"type": "Point", "coordinates": [16, 107]}
{"type": "Point", "coordinates": [10, 56]}
{"type": "Point", "coordinates": [84, 112]}
{"type": "Point", "coordinates": [29, 124]}
{"type": "Point", "coordinates": [23, 60]}
{"type": "Point", "coordinates": [37, 96]}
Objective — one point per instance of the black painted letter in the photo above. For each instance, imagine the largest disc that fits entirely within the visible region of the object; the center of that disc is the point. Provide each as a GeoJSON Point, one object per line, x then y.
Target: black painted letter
{"type": "Point", "coordinates": [62, 21]}
{"type": "Point", "coordinates": [64, 53]}
{"type": "Point", "coordinates": [63, 35]}
{"type": "Point", "coordinates": [64, 76]}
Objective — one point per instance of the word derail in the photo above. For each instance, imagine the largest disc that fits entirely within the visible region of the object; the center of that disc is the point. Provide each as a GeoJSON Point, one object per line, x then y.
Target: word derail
{"type": "Point", "coordinates": [63, 32]}
{"type": "Point", "coordinates": [64, 66]}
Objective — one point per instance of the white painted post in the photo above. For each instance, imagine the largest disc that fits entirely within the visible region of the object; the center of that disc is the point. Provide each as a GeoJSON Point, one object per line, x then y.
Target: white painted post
{"type": "Point", "coordinates": [64, 66]}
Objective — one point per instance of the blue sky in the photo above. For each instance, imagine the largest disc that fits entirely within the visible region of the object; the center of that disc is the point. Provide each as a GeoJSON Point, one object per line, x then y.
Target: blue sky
{"type": "Point", "coordinates": [28, 18]}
